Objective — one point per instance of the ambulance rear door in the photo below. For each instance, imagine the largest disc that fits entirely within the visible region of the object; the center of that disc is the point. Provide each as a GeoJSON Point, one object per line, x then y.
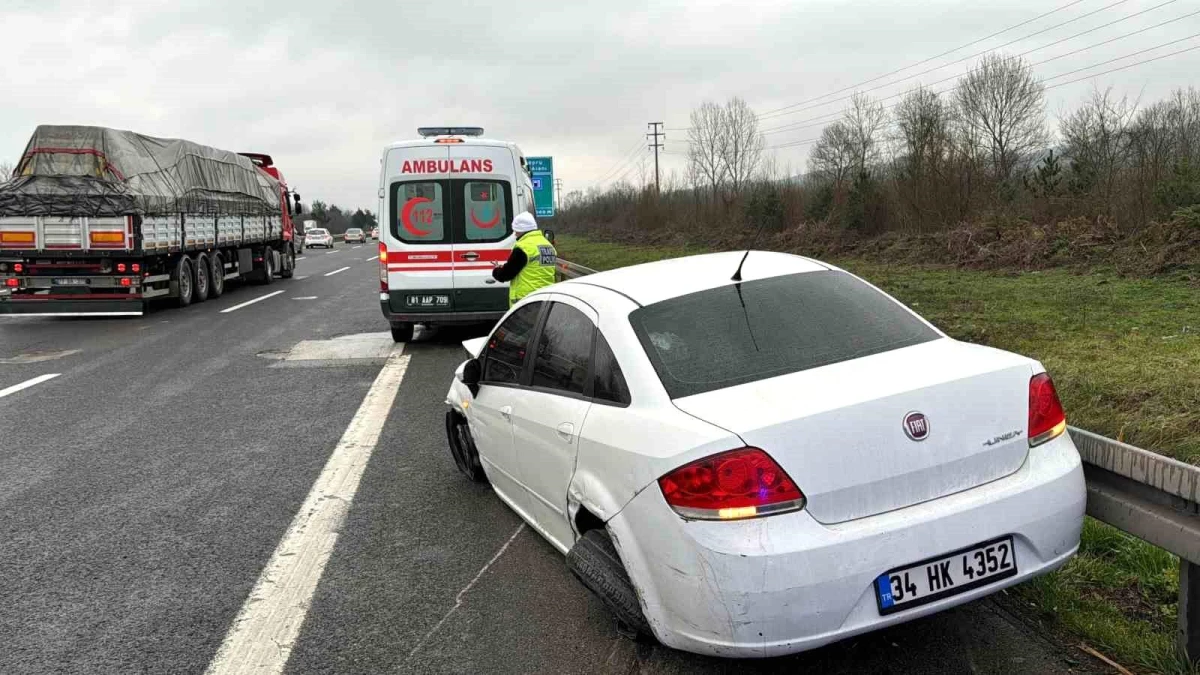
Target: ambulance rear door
{"type": "Point", "coordinates": [484, 192]}
{"type": "Point", "coordinates": [419, 232]}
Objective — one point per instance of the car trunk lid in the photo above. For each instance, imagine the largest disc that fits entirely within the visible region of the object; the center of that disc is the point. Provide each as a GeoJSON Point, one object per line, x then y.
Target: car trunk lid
{"type": "Point", "coordinates": [839, 430]}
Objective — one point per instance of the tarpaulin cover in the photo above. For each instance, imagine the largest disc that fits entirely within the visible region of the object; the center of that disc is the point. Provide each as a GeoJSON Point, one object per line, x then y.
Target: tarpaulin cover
{"type": "Point", "coordinates": [95, 171]}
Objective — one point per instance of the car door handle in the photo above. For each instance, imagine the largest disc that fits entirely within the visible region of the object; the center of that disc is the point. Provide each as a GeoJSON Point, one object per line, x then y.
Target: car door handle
{"type": "Point", "coordinates": [566, 430]}
{"type": "Point", "coordinates": [472, 256]}
{"type": "Point", "coordinates": [506, 411]}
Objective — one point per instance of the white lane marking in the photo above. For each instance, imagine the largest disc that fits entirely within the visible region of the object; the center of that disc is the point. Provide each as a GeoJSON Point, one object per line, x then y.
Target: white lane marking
{"type": "Point", "coordinates": [299, 257]}
{"type": "Point", "coordinates": [299, 278]}
{"type": "Point", "coordinates": [458, 599]}
{"type": "Point", "coordinates": [27, 384]}
{"type": "Point", "coordinates": [306, 297]}
{"type": "Point", "coordinates": [374, 257]}
{"type": "Point", "coordinates": [340, 269]}
{"type": "Point", "coordinates": [261, 638]}
{"type": "Point", "coordinates": [250, 302]}
{"type": "Point", "coordinates": [336, 250]}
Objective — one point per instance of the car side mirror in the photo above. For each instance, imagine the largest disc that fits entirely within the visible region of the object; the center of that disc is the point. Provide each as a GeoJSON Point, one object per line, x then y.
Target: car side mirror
{"type": "Point", "coordinates": [299, 207]}
{"type": "Point", "coordinates": [549, 234]}
{"type": "Point", "coordinates": [472, 372]}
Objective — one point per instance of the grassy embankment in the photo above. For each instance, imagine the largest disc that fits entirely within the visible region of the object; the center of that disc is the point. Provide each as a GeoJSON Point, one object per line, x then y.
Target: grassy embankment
{"type": "Point", "coordinates": [1125, 356]}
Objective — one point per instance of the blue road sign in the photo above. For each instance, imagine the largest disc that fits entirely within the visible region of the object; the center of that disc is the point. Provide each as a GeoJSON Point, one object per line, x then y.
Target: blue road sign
{"type": "Point", "coordinates": [542, 171]}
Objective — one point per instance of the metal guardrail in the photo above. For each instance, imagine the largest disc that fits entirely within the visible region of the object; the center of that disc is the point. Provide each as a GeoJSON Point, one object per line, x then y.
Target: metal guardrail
{"type": "Point", "coordinates": [1152, 497]}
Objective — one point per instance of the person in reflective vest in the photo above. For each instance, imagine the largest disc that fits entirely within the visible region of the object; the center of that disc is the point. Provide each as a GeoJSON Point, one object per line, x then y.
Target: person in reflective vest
{"type": "Point", "coordinates": [531, 265]}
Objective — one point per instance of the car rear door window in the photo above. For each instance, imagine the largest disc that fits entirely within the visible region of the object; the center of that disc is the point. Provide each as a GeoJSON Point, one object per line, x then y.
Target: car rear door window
{"type": "Point", "coordinates": [609, 381]}
{"type": "Point", "coordinates": [564, 351]}
{"type": "Point", "coordinates": [750, 331]}
{"type": "Point", "coordinates": [506, 350]}
{"type": "Point", "coordinates": [485, 206]}
{"type": "Point", "coordinates": [419, 212]}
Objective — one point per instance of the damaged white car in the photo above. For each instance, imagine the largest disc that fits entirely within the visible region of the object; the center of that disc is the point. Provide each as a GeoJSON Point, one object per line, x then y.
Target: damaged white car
{"type": "Point", "coordinates": [764, 463]}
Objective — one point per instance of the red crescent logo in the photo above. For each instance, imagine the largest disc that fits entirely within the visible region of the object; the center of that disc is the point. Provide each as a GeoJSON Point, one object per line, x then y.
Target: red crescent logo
{"type": "Point", "coordinates": [482, 225]}
{"type": "Point", "coordinates": [406, 216]}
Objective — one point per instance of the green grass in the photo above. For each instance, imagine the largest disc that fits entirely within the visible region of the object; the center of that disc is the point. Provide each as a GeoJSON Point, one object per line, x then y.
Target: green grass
{"type": "Point", "coordinates": [1125, 357]}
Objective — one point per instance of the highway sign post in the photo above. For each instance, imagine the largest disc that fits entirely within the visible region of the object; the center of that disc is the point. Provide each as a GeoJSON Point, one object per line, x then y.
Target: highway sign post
{"type": "Point", "coordinates": [541, 169]}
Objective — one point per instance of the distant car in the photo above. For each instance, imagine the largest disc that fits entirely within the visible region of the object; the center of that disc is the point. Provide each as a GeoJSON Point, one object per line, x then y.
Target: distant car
{"type": "Point", "coordinates": [765, 462]}
{"type": "Point", "coordinates": [318, 236]}
{"type": "Point", "coordinates": [374, 232]}
{"type": "Point", "coordinates": [355, 235]}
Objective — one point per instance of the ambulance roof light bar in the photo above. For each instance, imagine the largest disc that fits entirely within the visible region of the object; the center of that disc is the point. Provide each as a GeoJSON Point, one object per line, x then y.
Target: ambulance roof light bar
{"type": "Point", "coordinates": [426, 132]}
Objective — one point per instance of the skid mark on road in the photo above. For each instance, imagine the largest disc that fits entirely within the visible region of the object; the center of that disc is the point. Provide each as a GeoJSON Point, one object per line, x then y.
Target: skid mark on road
{"type": "Point", "coordinates": [250, 302]}
{"type": "Point", "coordinates": [458, 599]}
{"type": "Point", "coordinates": [27, 384]}
{"type": "Point", "coordinates": [265, 631]}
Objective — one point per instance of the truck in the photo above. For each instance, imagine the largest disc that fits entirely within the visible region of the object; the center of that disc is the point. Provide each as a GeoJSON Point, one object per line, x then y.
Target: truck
{"type": "Point", "coordinates": [99, 221]}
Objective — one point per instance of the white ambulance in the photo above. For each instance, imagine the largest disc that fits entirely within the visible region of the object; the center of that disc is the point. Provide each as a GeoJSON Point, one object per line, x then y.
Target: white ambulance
{"type": "Point", "coordinates": [446, 205]}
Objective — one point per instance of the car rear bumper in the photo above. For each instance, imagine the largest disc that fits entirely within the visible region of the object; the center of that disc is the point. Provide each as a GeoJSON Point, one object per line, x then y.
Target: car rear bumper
{"type": "Point", "coordinates": [787, 583]}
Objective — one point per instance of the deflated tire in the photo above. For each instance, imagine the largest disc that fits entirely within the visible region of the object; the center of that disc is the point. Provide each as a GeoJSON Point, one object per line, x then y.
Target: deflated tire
{"type": "Point", "coordinates": [595, 562]}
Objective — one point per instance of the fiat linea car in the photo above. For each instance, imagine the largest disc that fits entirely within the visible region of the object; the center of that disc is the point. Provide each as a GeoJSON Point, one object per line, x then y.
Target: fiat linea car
{"type": "Point", "coordinates": [764, 462]}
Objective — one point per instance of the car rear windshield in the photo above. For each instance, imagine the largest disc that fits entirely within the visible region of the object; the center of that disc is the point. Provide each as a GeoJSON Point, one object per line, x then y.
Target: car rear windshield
{"type": "Point", "coordinates": [751, 331]}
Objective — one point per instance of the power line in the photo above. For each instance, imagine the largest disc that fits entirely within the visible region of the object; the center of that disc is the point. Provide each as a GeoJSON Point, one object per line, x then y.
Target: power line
{"type": "Point", "coordinates": [620, 163]}
{"type": "Point", "coordinates": [977, 54]}
{"type": "Point", "coordinates": [932, 58]}
{"type": "Point", "coordinates": [821, 119]}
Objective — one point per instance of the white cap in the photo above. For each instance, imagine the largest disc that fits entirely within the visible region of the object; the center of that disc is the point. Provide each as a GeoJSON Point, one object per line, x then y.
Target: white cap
{"type": "Point", "coordinates": [524, 222]}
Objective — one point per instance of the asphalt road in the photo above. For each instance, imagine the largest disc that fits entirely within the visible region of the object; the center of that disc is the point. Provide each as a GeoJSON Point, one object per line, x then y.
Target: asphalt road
{"type": "Point", "coordinates": [145, 487]}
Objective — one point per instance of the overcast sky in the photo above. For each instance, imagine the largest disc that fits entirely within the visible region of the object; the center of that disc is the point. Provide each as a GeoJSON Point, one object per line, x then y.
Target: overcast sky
{"type": "Point", "coordinates": [323, 85]}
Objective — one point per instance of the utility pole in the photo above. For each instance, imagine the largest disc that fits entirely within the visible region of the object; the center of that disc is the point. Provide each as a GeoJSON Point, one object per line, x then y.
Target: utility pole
{"type": "Point", "coordinates": [558, 193]}
{"type": "Point", "coordinates": [654, 136]}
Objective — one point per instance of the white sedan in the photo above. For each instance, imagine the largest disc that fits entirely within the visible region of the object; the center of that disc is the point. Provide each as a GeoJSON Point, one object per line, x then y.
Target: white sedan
{"type": "Point", "coordinates": [757, 467]}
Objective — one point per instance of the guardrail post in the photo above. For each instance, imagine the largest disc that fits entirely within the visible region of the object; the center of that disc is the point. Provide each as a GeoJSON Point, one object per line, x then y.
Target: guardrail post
{"type": "Point", "coordinates": [1188, 636]}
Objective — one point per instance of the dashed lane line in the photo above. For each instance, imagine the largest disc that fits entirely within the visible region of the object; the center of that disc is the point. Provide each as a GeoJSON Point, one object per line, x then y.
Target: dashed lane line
{"type": "Point", "coordinates": [374, 257]}
{"type": "Point", "coordinates": [27, 384]}
{"type": "Point", "coordinates": [340, 269]}
{"type": "Point", "coordinates": [250, 302]}
{"type": "Point", "coordinates": [264, 633]}
{"type": "Point", "coordinates": [306, 297]}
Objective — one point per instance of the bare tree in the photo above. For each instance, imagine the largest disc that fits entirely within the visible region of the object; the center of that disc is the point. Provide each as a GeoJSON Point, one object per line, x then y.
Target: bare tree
{"type": "Point", "coordinates": [832, 158]}
{"type": "Point", "coordinates": [1096, 139]}
{"type": "Point", "coordinates": [1001, 106]}
{"type": "Point", "coordinates": [705, 146]}
{"type": "Point", "coordinates": [924, 143]}
{"type": "Point", "coordinates": [7, 171]}
{"type": "Point", "coordinates": [742, 149]}
{"type": "Point", "coordinates": [865, 119]}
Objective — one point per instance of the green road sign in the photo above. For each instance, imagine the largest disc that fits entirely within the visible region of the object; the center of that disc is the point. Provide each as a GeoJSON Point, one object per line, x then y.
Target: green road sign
{"type": "Point", "coordinates": [542, 171]}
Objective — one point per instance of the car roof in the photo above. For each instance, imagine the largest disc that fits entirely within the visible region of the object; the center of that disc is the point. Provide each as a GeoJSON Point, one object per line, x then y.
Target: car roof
{"type": "Point", "coordinates": [653, 282]}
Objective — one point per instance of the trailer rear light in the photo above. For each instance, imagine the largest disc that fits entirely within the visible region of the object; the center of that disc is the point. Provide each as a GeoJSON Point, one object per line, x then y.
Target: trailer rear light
{"type": "Point", "coordinates": [11, 283]}
{"type": "Point", "coordinates": [126, 281]}
{"type": "Point", "coordinates": [742, 483]}
{"type": "Point", "coordinates": [18, 268]}
{"type": "Point", "coordinates": [1047, 420]}
{"type": "Point", "coordinates": [16, 237]}
{"type": "Point", "coordinates": [107, 237]}
{"type": "Point", "coordinates": [136, 267]}
{"type": "Point", "coordinates": [121, 267]}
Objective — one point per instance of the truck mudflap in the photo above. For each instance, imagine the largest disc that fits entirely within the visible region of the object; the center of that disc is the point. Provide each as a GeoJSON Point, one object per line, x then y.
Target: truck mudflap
{"type": "Point", "coordinates": [70, 307]}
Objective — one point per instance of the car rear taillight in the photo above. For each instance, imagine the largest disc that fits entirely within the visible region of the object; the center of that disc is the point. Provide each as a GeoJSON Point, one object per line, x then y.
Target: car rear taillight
{"type": "Point", "coordinates": [742, 483]}
{"type": "Point", "coordinates": [1047, 420]}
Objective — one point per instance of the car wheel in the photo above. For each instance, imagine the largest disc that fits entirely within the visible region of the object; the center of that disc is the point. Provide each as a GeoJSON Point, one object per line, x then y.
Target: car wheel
{"type": "Point", "coordinates": [201, 270]}
{"type": "Point", "coordinates": [402, 332]}
{"type": "Point", "coordinates": [267, 275]}
{"type": "Point", "coordinates": [289, 265]}
{"type": "Point", "coordinates": [462, 447]}
{"type": "Point", "coordinates": [595, 562]}
{"type": "Point", "coordinates": [216, 275]}
{"type": "Point", "coordinates": [183, 279]}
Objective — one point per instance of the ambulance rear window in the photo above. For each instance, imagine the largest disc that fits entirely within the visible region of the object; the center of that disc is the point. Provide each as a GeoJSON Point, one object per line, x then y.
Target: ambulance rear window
{"type": "Point", "coordinates": [418, 212]}
{"type": "Point", "coordinates": [485, 207]}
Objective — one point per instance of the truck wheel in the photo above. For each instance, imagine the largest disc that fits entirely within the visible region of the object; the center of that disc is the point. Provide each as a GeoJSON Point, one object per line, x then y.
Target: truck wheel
{"type": "Point", "coordinates": [595, 562]}
{"type": "Point", "coordinates": [289, 264]}
{"type": "Point", "coordinates": [201, 269]}
{"type": "Point", "coordinates": [184, 281]}
{"type": "Point", "coordinates": [268, 268]}
{"type": "Point", "coordinates": [462, 447]}
{"type": "Point", "coordinates": [216, 275]}
{"type": "Point", "coordinates": [402, 332]}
